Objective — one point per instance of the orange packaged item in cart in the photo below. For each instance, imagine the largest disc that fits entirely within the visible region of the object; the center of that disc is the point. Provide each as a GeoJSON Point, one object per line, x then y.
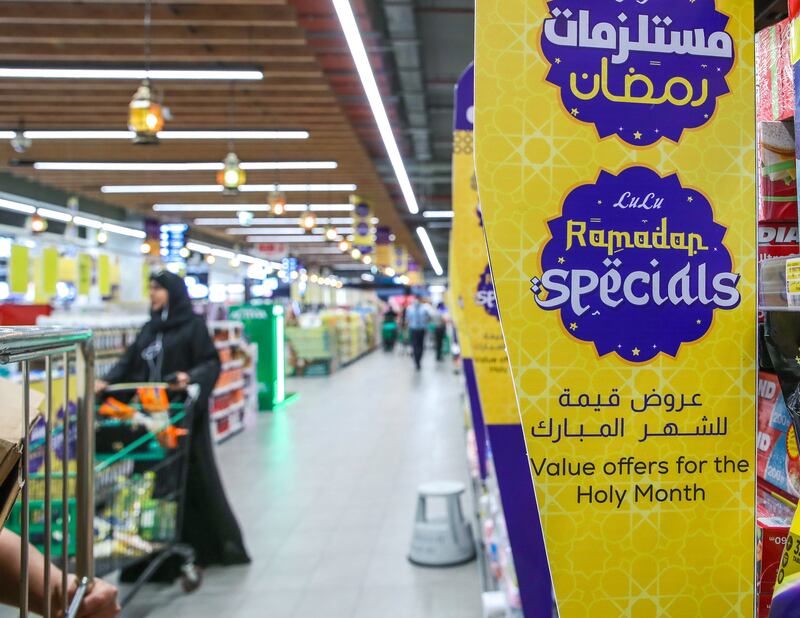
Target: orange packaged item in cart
{"type": "Point", "coordinates": [114, 408]}
{"type": "Point", "coordinates": [153, 399]}
{"type": "Point", "coordinates": [169, 437]}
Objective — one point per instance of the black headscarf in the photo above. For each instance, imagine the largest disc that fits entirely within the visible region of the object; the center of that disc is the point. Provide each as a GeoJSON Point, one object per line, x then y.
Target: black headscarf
{"type": "Point", "coordinates": [179, 307]}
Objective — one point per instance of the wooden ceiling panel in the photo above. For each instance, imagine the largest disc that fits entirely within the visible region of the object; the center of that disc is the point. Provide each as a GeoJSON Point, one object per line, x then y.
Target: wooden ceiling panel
{"type": "Point", "coordinates": [301, 89]}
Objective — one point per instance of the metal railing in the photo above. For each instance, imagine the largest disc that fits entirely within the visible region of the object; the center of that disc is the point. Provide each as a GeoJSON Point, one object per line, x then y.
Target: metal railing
{"type": "Point", "coordinates": [55, 347]}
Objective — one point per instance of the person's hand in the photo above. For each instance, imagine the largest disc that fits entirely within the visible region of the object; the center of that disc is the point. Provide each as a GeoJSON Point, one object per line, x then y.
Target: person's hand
{"type": "Point", "coordinates": [99, 602]}
{"type": "Point", "coordinates": [100, 386]}
{"type": "Point", "coordinates": [181, 380]}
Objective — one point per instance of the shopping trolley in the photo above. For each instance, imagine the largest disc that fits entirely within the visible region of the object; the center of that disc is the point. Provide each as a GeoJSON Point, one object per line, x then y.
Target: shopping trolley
{"type": "Point", "coordinates": [143, 443]}
{"type": "Point", "coordinates": [44, 356]}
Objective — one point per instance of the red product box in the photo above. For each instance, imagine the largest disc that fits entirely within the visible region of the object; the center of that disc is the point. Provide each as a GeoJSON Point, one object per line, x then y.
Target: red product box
{"type": "Point", "coordinates": [777, 181]}
{"type": "Point", "coordinates": [774, 518]}
{"type": "Point", "coordinates": [777, 240]}
{"type": "Point", "coordinates": [774, 73]}
{"type": "Point", "coordinates": [778, 456]}
{"type": "Point", "coordinates": [772, 534]}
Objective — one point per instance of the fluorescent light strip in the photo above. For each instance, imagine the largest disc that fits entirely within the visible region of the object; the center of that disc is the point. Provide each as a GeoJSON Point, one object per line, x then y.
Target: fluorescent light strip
{"type": "Point", "coordinates": [58, 215]}
{"type": "Point", "coordinates": [289, 165]}
{"type": "Point", "coordinates": [197, 247]}
{"type": "Point", "coordinates": [219, 188]}
{"type": "Point", "coordinates": [227, 254]}
{"type": "Point", "coordinates": [429, 250]}
{"type": "Point", "coordinates": [193, 208]}
{"type": "Point", "coordinates": [286, 239]}
{"type": "Point", "coordinates": [161, 189]}
{"type": "Point", "coordinates": [25, 209]}
{"type": "Point", "coordinates": [132, 74]}
{"type": "Point", "coordinates": [270, 221]}
{"type": "Point", "coordinates": [223, 253]}
{"type": "Point", "coordinates": [86, 222]}
{"type": "Point", "coordinates": [350, 28]}
{"type": "Point", "coordinates": [329, 207]}
{"type": "Point", "coordinates": [244, 231]}
{"type": "Point", "coordinates": [165, 135]}
{"type": "Point", "coordinates": [79, 166]}
{"type": "Point", "coordinates": [196, 208]}
{"type": "Point", "coordinates": [123, 231]}
{"type": "Point", "coordinates": [438, 214]}
{"type": "Point", "coordinates": [233, 135]}
{"type": "Point", "coordinates": [319, 251]}
{"type": "Point", "coordinates": [293, 188]}
{"type": "Point", "coordinates": [54, 215]}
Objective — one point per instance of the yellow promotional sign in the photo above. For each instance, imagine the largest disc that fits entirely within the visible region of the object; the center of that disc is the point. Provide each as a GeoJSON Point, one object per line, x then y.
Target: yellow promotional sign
{"type": "Point", "coordinates": [49, 265]}
{"type": "Point", "coordinates": [475, 292]}
{"type": "Point", "coordinates": [67, 270]}
{"type": "Point", "coordinates": [492, 388]}
{"type": "Point", "coordinates": [400, 259]}
{"type": "Point", "coordinates": [383, 247]}
{"type": "Point", "coordinates": [615, 164]}
{"type": "Point", "coordinates": [363, 235]}
{"type": "Point", "coordinates": [383, 255]}
{"type": "Point", "coordinates": [104, 275]}
{"type": "Point", "coordinates": [19, 269]}
{"type": "Point", "coordinates": [84, 274]}
{"type": "Point", "coordinates": [145, 279]}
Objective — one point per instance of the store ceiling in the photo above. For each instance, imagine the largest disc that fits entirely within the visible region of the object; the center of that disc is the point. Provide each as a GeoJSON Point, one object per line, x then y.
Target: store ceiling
{"type": "Point", "coordinates": [309, 83]}
{"type": "Point", "coordinates": [418, 49]}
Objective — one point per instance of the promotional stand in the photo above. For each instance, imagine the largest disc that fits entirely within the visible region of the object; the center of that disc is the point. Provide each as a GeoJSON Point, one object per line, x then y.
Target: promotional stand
{"type": "Point", "coordinates": [615, 171]}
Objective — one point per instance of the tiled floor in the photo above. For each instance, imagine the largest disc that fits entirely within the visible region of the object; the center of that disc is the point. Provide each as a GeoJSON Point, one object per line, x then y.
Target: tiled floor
{"type": "Point", "coordinates": [326, 491]}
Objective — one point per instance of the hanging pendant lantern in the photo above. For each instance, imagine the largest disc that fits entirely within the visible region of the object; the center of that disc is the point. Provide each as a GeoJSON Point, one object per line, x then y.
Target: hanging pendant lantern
{"type": "Point", "coordinates": [232, 176]}
{"type": "Point", "coordinates": [344, 246]}
{"type": "Point", "coordinates": [308, 221]}
{"type": "Point", "coordinates": [277, 203]}
{"type": "Point", "coordinates": [331, 234]}
{"type": "Point", "coordinates": [145, 116]}
{"type": "Point", "coordinates": [38, 224]}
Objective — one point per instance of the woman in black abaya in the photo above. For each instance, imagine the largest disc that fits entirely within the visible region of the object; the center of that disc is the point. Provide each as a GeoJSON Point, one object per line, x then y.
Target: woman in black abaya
{"type": "Point", "coordinates": [175, 344]}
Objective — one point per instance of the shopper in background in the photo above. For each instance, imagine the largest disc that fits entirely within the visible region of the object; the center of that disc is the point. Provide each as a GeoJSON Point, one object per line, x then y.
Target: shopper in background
{"type": "Point", "coordinates": [439, 321]}
{"type": "Point", "coordinates": [389, 328]}
{"type": "Point", "coordinates": [175, 344]}
{"type": "Point", "coordinates": [418, 316]}
{"type": "Point", "coordinates": [99, 602]}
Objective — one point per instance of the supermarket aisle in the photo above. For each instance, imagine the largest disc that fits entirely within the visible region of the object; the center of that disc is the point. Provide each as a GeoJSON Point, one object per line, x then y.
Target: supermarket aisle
{"type": "Point", "coordinates": [326, 493]}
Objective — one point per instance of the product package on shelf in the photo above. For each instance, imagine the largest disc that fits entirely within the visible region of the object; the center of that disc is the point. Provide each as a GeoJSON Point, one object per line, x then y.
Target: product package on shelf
{"type": "Point", "coordinates": [778, 458]}
{"type": "Point", "coordinates": [774, 519]}
{"type": "Point", "coordinates": [778, 174]}
{"type": "Point", "coordinates": [233, 398]}
{"type": "Point", "coordinates": [777, 239]}
{"type": "Point", "coordinates": [312, 349]}
{"type": "Point", "coordinates": [774, 73]}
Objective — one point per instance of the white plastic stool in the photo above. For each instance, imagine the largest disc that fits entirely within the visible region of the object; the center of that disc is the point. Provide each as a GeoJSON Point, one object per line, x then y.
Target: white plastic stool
{"type": "Point", "coordinates": [494, 604]}
{"type": "Point", "coordinates": [441, 542]}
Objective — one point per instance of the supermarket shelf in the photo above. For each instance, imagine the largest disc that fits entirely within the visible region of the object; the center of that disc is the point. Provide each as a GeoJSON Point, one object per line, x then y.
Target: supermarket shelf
{"type": "Point", "coordinates": [227, 343]}
{"type": "Point", "coordinates": [221, 437]}
{"type": "Point", "coordinates": [103, 354]}
{"type": "Point", "coordinates": [235, 407]}
{"type": "Point", "coordinates": [356, 358]}
{"type": "Point", "coordinates": [228, 388]}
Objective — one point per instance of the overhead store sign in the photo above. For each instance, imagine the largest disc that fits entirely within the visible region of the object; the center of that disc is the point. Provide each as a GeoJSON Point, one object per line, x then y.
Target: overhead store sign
{"type": "Point", "coordinates": [615, 163]}
{"type": "Point", "coordinates": [363, 236]}
{"type": "Point", "coordinates": [493, 404]}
